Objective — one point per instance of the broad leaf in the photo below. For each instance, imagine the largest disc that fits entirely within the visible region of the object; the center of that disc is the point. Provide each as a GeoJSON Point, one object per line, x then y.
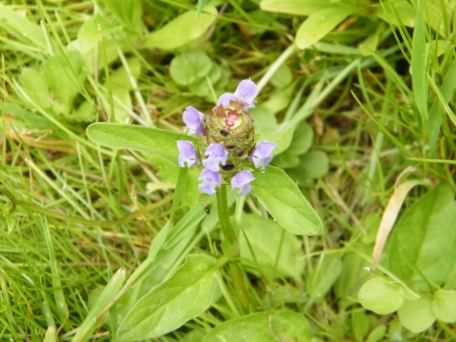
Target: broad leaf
{"type": "Point", "coordinates": [381, 296]}
{"type": "Point", "coordinates": [186, 295]}
{"type": "Point", "coordinates": [422, 246]}
{"type": "Point", "coordinates": [190, 67]}
{"type": "Point", "coordinates": [182, 30]}
{"type": "Point", "coordinates": [444, 305]}
{"type": "Point", "coordinates": [286, 203]}
{"type": "Point", "coordinates": [280, 252]}
{"type": "Point", "coordinates": [156, 144]}
{"type": "Point", "coordinates": [318, 25]}
{"type": "Point", "coordinates": [417, 315]}
{"type": "Point", "coordinates": [273, 326]}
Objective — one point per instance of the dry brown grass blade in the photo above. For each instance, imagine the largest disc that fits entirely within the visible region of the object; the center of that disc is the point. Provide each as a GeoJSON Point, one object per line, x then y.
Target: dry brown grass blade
{"type": "Point", "coordinates": [390, 215]}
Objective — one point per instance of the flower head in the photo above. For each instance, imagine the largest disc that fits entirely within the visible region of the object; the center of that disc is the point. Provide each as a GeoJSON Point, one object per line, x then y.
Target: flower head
{"type": "Point", "coordinates": [244, 95]}
{"type": "Point", "coordinates": [241, 181]}
{"type": "Point", "coordinates": [216, 155]}
{"type": "Point", "coordinates": [193, 119]}
{"type": "Point", "coordinates": [187, 153]}
{"type": "Point", "coordinates": [209, 181]}
{"type": "Point", "coordinates": [262, 154]}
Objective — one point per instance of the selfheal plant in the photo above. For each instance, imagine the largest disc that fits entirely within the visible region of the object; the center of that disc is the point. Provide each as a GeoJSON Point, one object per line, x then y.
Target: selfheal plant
{"type": "Point", "coordinates": [227, 137]}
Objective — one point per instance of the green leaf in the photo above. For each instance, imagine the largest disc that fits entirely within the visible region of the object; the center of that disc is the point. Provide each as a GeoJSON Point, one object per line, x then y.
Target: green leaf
{"type": "Point", "coordinates": [381, 296]}
{"type": "Point", "coordinates": [308, 7]}
{"type": "Point", "coordinates": [129, 12]}
{"type": "Point", "coordinates": [280, 252]}
{"type": "Point", "coordinates": [118, 102]}
{"type": "Point", "coordinates": [34, 84]}
{"type": "Point", "coordinates": [14, 22]}
{"type": "Point", "coordinates": [65, 69]}
{"type": "Point", "coordinates": [157, 144]}
{"type": "Point", "coordinates": [186, 295]}
{"type": "Point", "coordinates": [324, 276]}
{"type": "Point", "coordinates": [444, 305]}
{"type": "Point", "coordinates": [419, 64]}
{"type": "Point", "coordinates": [96, 44]}
{"type": "Point", "coordinates": [273, 326]}
{"type": "Point", "coordinates": [104, 299]}
{"type": "Point", "coordinates": [182, 30]}
{"type": "Point", "coordinates": [377, 334]}
{"type": "Point", "coordinates": [318, 25]}
{"type": "Point", "coordinates": [397, 12]}
{"type": "Point", "coordinates": [314, 164]}
{"type": "Point", "coordinates": [283, 199]}
{"type": "Point", "coordinates": [190, 67]}
{"type": "Point", "coordinates": [282, 77]}
{"type": "Point", "coordinates": [423, 242]}
{"type": "Point", "coordinates": [417, 315]}
{"type": "Point", "coordinates": [360, 325]}
{"type": "Point", "coordinates": [86, 112]}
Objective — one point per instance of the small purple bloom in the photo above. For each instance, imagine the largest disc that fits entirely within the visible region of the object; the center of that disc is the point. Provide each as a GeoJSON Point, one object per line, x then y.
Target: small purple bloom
{"type": "Point", "coordinates": [247, 91]}
{"type": "Point", "coordinates": [216, 155]}
{"type": "Point", "coordinates": [209, 181]}
{"type": "Point", "coordinates": [193, 119]}
{"type": "Point", "coordinates": [187, 153]}
{"type": "Point", "coordinates": [245, 94]}
{"type": "Point", "coordinates": [226, 99]}
{"type": "Point", "coordinates": [262, 154]}
{"type": "Point", "coordinates": [241, 181]}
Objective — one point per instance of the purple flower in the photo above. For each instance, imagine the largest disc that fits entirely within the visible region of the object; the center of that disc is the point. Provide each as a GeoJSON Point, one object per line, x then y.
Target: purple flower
{"type": "Point", "coordinates": [187, 153]}
{"type": "Point", "coordinates": [216, 155]}
{"type": "Point", "coordinates": [245, 94]}
{"type": "Point", "coordinates": [209, 181]}
{"type": "Point", "coordinates": [241, 181]}
{"type": "Point", "coordinates": [193, 119]}
{"type": "Point", "coordinates": [262, 154]}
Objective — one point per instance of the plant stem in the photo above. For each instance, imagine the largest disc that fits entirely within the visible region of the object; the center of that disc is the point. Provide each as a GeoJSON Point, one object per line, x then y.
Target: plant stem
{"type": "Point", "coordinates": [275, 66]}
{"type": "Point", "coordinates": [230, 248]}
{"type": "Point", "coordinates": [222, 207]}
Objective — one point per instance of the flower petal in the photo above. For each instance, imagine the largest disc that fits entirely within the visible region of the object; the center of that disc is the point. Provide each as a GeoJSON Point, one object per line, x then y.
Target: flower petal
{"type": "Point", "coordinates": [241, 181]}
{"type": "Point", "coordinates": [194, 120]}
{"type": "Point", "coordinates": [226, 99]}
{"type": "Point", "coordinates": [216, 155]}
{"type": "Point", "coordinates": [246, 92]}
{"type": "Point", "coordinates": [209, 181]}
{"type": "Point", "coordinates": [187, 153]}
{"type": "Point", "coordinates": [262, 154]}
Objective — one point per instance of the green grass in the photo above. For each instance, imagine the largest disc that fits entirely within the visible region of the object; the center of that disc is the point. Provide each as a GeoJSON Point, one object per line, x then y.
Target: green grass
{"type": "Point", "coordinates": [73, 213]}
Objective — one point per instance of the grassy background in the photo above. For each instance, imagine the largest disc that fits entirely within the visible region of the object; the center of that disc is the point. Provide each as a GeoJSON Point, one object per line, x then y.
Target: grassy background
{"type": "Point", "coordinates": [72, 214]}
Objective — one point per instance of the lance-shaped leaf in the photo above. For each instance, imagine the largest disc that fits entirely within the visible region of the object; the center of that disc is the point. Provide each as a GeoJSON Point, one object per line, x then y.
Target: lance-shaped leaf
{"type": "Point", "coordinates": [186, 295]}
{"type": "Point", "coordinates": [318, 25]}
{"type": "Point", "coordinates": [183, 29]}
{"type": "Point", "coordinates": [156, 144]}
{"type": "Point", "coordinates": [286, 203]}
